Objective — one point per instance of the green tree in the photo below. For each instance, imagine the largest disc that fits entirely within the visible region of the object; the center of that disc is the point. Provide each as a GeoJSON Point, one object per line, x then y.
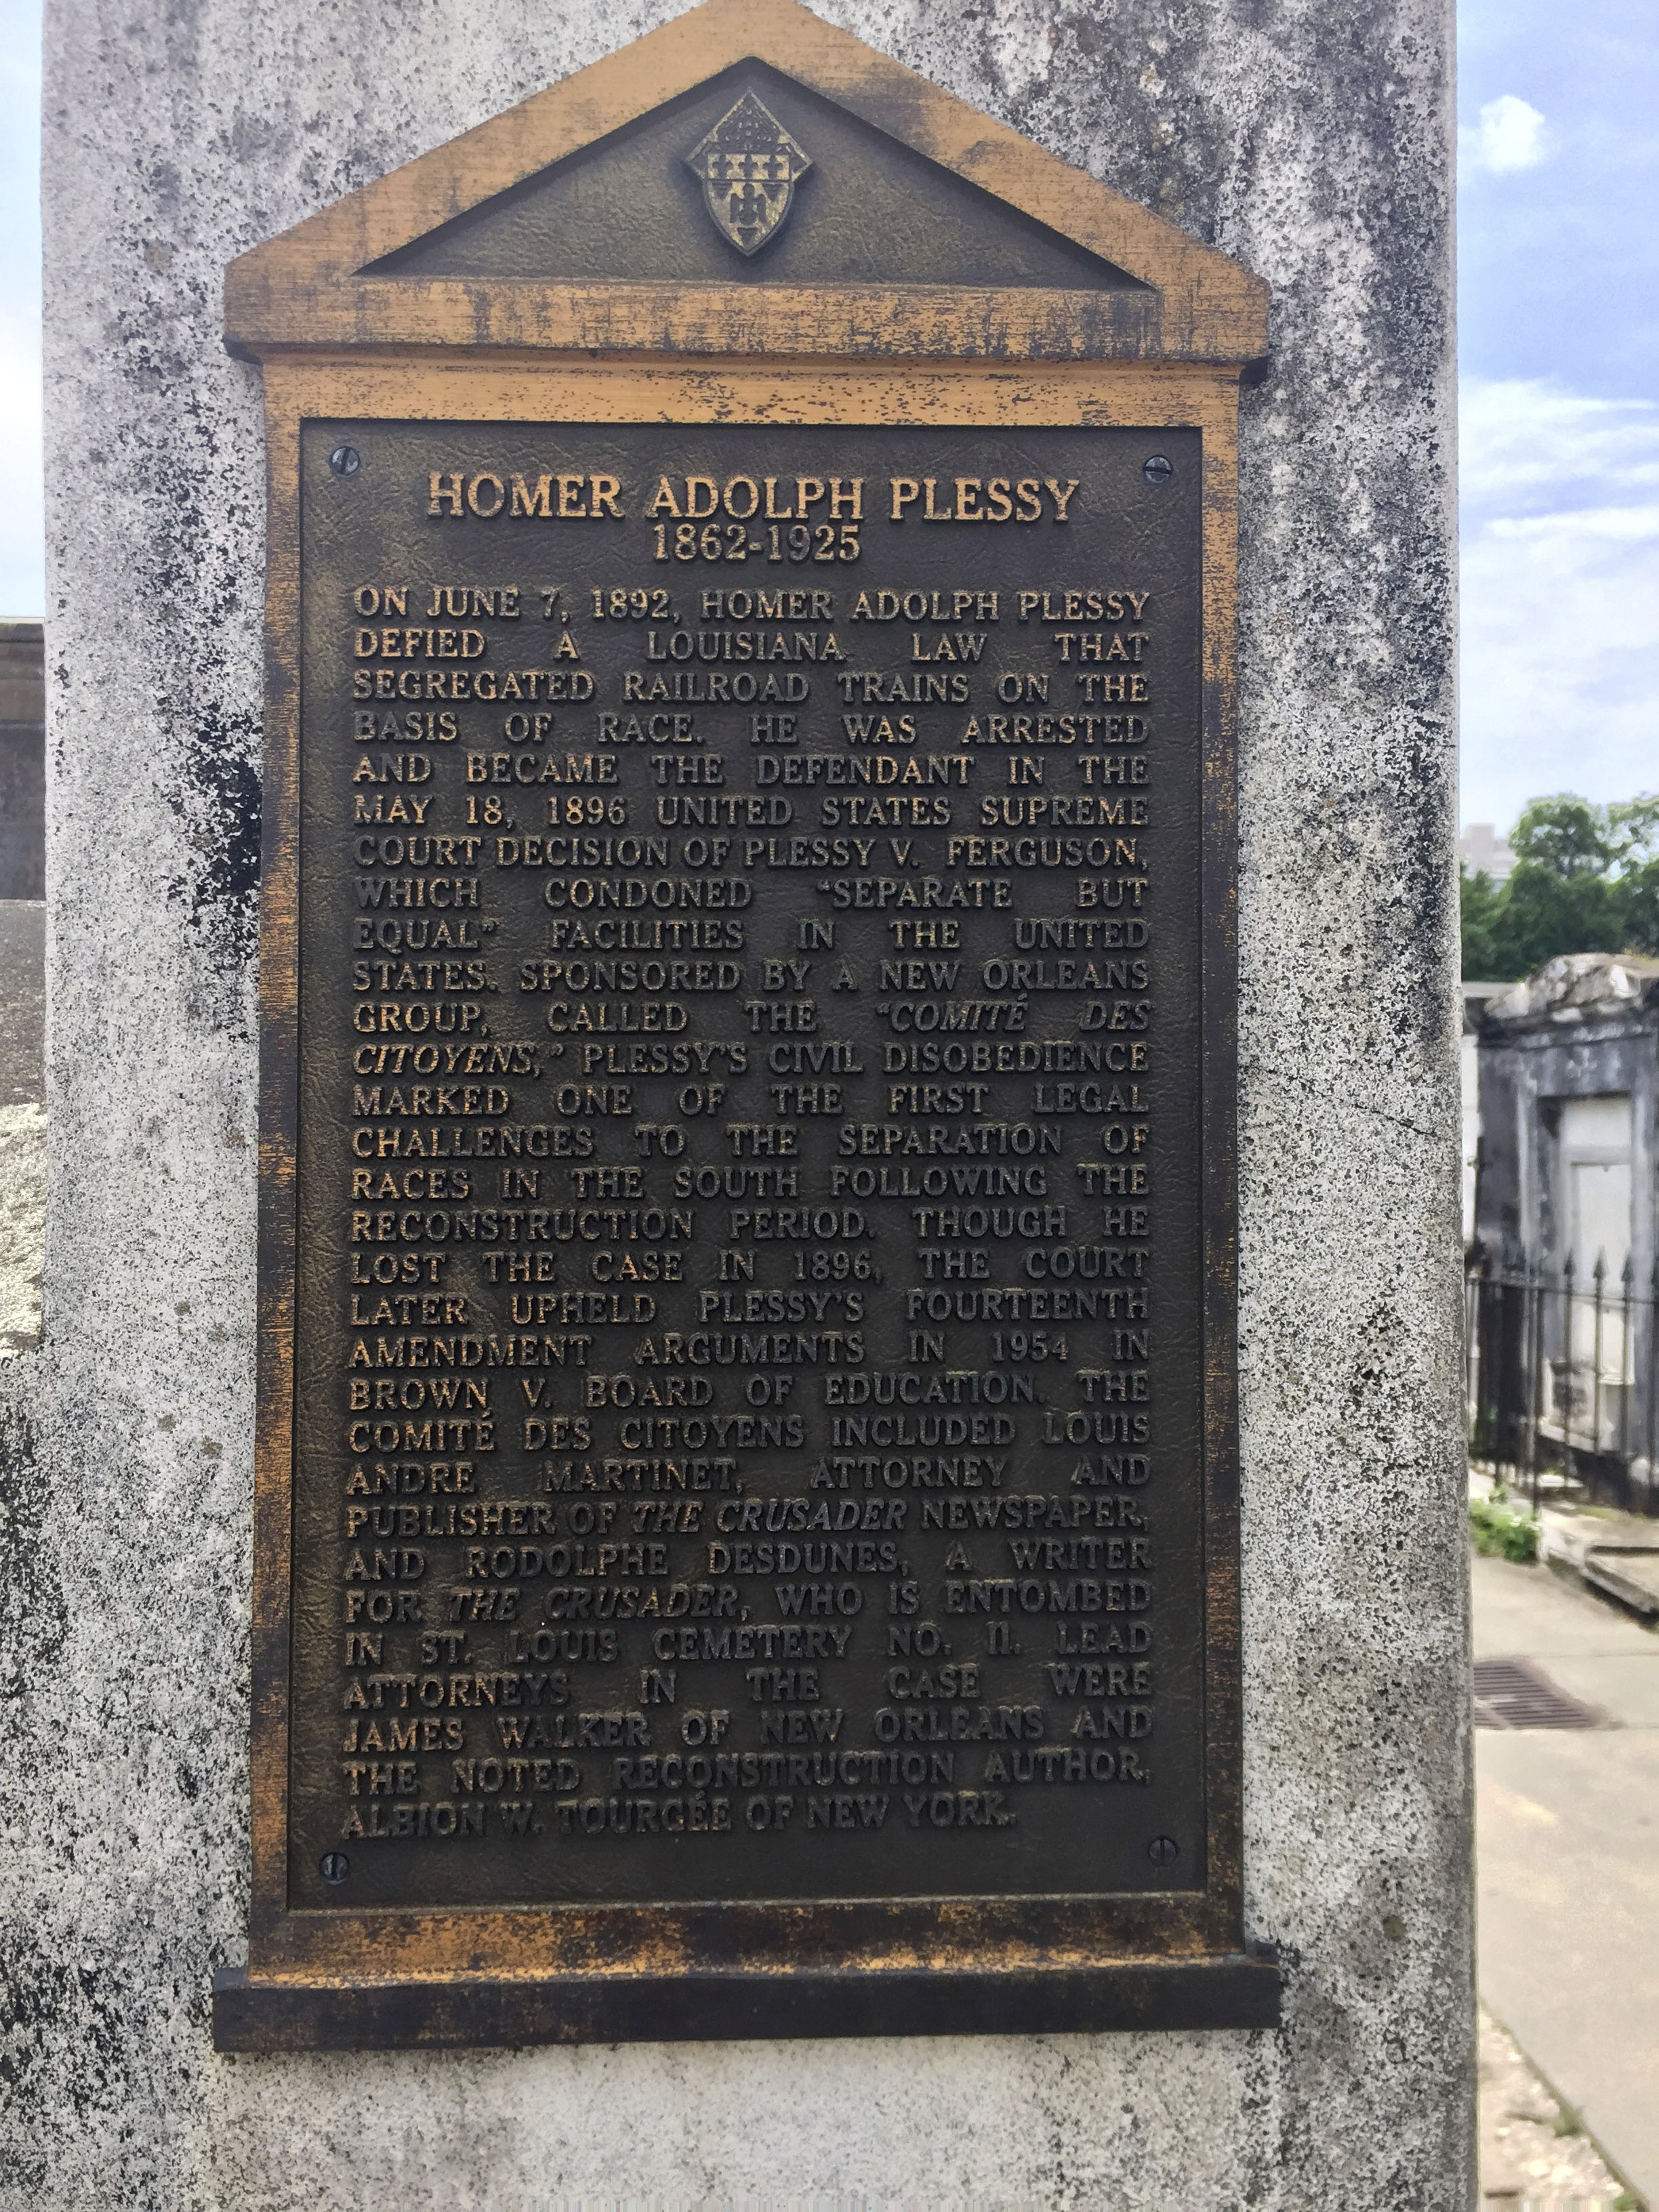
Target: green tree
{"type": "Point", "coordinates": [1585, 879]}
{"type": "Point", "coordinates": [1484, 951]}
{"type": "Point", "coordinates": [1635, 828]}
{"type": "Point", "coordinates": [1564, 837]}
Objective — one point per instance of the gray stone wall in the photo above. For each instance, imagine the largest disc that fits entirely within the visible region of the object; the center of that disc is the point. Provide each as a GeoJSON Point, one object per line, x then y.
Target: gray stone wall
{"type": "Point", "coordinates": [23, 765]}
{"type": "Point", "coordinates": [1313, 142]}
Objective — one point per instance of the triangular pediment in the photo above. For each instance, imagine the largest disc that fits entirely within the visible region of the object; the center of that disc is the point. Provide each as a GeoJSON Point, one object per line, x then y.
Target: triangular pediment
{"type": "Point", "coordinates": [871, 210]}
{"type": "Point", "coordinates": [905, 221]}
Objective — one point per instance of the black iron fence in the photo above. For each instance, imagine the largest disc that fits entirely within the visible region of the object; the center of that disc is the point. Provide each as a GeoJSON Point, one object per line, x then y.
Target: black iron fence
{"type": "Point", "coordinates": [1559, 1375]}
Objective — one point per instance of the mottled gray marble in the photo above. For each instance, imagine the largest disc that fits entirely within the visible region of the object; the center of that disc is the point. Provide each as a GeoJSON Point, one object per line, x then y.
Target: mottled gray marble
{"type": "Point", "coordinates": [1311, 140]}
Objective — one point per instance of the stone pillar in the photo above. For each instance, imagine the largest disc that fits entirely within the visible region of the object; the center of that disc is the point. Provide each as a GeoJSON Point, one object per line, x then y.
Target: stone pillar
{"type": "Point", "coordinates": [1317, 148]}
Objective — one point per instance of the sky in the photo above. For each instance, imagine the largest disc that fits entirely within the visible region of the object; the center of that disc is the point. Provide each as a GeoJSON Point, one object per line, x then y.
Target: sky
{"type": "Point", "coordinates": [1558, 342]}
{"type": "Point", "coordinates": [1558, 351]}
{"type": "Point", "coordinates": [23, 566]}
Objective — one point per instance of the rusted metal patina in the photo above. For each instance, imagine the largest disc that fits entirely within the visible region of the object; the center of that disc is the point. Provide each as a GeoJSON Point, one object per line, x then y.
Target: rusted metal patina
{"type": "Point", "coordinates": [746, 1534]}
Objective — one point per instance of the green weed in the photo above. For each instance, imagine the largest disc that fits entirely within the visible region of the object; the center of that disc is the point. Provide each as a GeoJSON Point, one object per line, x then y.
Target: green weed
{"type": "Point", "coordinates": [1503, 1531]}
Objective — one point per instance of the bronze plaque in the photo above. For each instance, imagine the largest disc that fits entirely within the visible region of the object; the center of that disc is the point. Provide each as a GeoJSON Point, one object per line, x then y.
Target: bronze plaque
{"type": "Point", "coordinates": [749, 1430]}
{"type": "Point", "coordinates": [746, 1517]}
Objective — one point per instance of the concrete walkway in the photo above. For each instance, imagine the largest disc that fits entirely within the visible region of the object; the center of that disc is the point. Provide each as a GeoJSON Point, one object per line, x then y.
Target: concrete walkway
{"type": "Point", "coordinates": [22, 1001]}
{"type": "Point", "coordinates": [1533, 2152]}
{"type": "Point", "coordinates": [1567, 1835]}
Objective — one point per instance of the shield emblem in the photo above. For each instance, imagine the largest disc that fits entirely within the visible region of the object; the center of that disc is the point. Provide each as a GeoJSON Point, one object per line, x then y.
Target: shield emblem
{"type": "Point", "coordinates": [748, 164]}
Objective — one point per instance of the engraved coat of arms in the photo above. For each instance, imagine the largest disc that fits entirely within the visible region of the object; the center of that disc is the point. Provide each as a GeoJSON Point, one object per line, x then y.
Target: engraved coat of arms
{"type": "Point", "coordinates": [749, 166]}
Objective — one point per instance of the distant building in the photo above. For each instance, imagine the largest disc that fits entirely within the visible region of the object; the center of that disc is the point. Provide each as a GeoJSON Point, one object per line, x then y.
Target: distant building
{"type": "Point", "coordinates": [1480, 848]}
{"type": "Point", "coordinates": [22, 761]}
{"type": "Point", "coordinates": [1563, 1342]}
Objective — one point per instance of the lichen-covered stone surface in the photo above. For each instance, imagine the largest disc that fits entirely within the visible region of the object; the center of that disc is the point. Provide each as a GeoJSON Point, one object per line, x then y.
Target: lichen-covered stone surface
{"type": "Point", "coordinates": [1310, 140]}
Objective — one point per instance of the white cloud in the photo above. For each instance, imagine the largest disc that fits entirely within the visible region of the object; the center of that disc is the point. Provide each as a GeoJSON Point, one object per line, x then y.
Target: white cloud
{"type": "Point", "coordinates": [1560, 596]}
{"type": "Point", "coordinates": [1527, 441]}
{"type": "Point", "coordinates": [1510, 135]}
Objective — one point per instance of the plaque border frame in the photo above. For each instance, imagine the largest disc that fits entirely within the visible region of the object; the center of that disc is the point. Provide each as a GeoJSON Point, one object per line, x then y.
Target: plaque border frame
{"type": "Point", "coordinates": [447, 1976]}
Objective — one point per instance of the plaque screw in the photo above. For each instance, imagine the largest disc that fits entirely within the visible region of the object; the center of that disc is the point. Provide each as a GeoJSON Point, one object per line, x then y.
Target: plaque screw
{"type": "Point", "coordinates": [334, 1866]}
{"type": "Point", "coordinates": [1163, 1850]}
{"type": "Point", "coordinates": [1157, 468]}
{"type": "Point", "coordinates": [345, 461]}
